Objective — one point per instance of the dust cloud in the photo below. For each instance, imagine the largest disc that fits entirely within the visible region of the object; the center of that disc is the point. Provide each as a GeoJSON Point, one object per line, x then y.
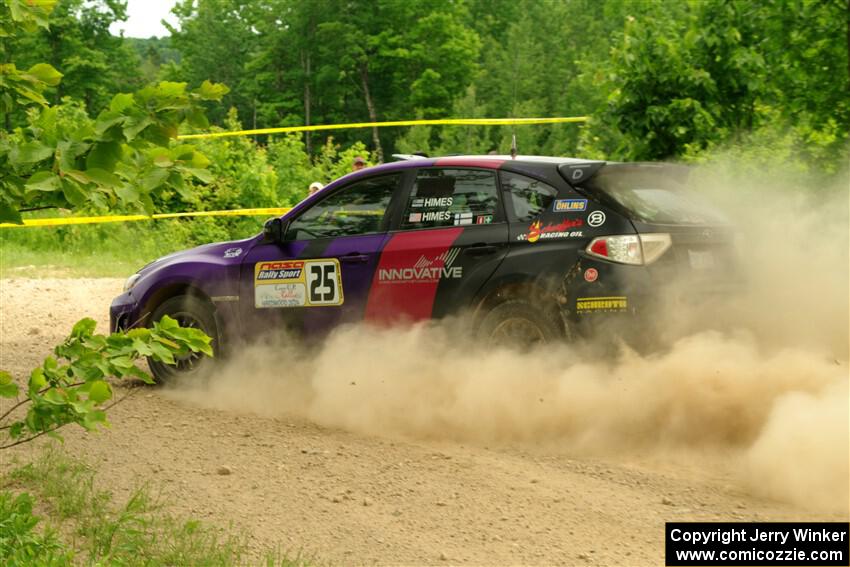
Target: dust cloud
{"type": "Point", "coordinates": [763, 372]}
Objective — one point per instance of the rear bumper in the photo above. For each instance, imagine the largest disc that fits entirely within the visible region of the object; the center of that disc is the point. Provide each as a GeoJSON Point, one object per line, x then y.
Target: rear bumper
{"type": "Point", "coordinates": [624, 296]}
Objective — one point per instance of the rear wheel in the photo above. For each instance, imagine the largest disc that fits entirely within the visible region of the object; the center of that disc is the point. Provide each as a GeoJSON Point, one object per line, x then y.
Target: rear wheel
{"type": "Point", "coordinates": [517, 323]}
{"type": "Point", "coordinates": [188, 311]}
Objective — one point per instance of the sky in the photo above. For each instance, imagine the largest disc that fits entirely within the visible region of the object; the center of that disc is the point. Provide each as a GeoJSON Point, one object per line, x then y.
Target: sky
{"type": "Point", "coordinates": [143, 18]}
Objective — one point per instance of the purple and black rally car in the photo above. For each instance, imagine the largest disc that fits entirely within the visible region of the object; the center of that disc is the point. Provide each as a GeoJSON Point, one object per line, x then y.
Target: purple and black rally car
{"type": "Point", "coordinates": [533, 248]}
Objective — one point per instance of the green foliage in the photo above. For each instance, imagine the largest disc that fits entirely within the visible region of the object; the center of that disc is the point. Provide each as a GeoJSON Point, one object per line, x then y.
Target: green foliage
{"type": "Point", "coordinates": [20, 543]}
{"type": "Point", "coordinates": [700, 76]}
{"type": "Point", "coordinates": [72, 386]}
{"type": "Point", "coordinates": [100, 530]}
{"type": "Point", "coordinates": [120, 160]}
{"type": "Point", "coordinates": [96, 64]}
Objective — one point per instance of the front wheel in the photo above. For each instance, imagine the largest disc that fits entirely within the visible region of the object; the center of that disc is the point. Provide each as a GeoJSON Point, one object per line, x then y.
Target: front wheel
{"type": "Point", "coordinates": [517, 323]}
{"type": "Point", "coordinates": [188, 311]}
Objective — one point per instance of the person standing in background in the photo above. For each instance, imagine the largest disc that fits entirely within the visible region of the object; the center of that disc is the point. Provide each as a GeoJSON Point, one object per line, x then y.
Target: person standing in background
{"type": "Point", "coordinates": [314, 188]}
{"type": "Point", "coordinates": [358, 164]}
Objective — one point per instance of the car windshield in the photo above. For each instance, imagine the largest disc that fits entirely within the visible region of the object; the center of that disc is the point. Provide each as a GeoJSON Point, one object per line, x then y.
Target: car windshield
{"type": "Point", "coordinates": [655, 195]}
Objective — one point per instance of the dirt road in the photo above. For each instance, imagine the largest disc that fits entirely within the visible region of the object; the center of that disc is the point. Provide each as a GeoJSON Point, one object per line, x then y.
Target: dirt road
{"type": "Point", "coordinates": [383, 497]}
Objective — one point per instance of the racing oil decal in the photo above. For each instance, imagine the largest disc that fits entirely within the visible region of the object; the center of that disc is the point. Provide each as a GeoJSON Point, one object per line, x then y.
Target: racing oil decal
{"type": "Point", "coordinates": [297, 283]}
{"type": "Point", "coordinates": [551, 231]}
{"type": "Point", "coordinates": [411, 267]}
{"type": "Point", "coordinates": [595, 304]}
{"type": "Point", "coordinates": [569, 205]}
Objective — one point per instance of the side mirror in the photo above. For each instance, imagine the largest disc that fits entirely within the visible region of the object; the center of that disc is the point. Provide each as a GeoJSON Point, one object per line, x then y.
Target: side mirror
{"type": "Point", "coordinates": [273, 230]}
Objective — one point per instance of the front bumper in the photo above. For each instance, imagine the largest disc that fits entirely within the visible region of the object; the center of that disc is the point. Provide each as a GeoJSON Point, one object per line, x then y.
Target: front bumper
{"type": "Point", "coordinates": [123, 313]}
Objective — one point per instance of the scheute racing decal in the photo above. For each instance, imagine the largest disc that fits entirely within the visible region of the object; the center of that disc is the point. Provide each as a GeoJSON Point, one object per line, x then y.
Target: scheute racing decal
{"type": "Point", "coordinates": [297, 283]}
{"type": "Point", "coordinates": [597, 304]}
{"type": "Point", "coordinates": [552, 231]}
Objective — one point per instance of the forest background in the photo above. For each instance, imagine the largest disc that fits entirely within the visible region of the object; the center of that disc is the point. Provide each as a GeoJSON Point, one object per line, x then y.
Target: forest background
{"type": "Point", "coordinates": [767, 81]}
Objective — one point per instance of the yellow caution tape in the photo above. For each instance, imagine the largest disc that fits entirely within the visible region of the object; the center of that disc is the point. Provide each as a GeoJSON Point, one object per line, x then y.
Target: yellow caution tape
{"type": "Point", "coordinates": [441, 122]}
{"type": "Point", "coordinates": [280, 211]}
{"type": "Point", "coordinates": [130, 218]}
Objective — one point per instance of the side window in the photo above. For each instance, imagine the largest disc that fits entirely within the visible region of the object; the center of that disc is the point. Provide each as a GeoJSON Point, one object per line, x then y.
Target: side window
{"type": "Point", "coordinates": [449, 197]}
{"type": "Point", "coordinates": [529, 197]}
{"type": "Point", "coordinates": [356, 209]}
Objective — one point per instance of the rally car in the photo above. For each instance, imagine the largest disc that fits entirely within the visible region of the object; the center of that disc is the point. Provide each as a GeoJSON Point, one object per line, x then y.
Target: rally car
{"type": "Point", "coordinates": [531, 248]}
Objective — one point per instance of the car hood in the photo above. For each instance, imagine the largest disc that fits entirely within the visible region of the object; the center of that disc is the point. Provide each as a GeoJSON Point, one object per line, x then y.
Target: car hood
{"type": "Point", "coordinates": [219, 252]}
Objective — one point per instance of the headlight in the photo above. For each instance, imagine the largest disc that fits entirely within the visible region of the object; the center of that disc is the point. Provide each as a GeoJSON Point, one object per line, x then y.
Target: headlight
{"type": "Point", "coordinates": [131, 281]}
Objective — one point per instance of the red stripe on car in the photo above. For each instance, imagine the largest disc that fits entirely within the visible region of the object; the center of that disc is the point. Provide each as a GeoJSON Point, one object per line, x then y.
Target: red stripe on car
{"type": "Point", "coordinates": [470, 162]}
{"type": "Point", "coordinates": [410, 269]}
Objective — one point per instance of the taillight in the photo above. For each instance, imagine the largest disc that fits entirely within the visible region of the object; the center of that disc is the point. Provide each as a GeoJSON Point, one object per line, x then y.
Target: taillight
{"type": "Point", "coordinates": [630, 248]}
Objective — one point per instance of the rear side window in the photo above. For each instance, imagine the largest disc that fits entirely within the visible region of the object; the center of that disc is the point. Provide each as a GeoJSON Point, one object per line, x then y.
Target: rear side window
{"type": "Point", "coordinates": [655, 195]}
{"type": "Point", "coordinates": [451, 197]}
{"type": "Point", "coordinates": [529, 197]}
{"type": "Point", "coordinates": [356, 209]}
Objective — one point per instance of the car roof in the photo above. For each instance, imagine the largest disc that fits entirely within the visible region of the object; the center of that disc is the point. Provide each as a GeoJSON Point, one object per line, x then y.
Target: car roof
{"type": "Point", "coordinates": [473, 160]}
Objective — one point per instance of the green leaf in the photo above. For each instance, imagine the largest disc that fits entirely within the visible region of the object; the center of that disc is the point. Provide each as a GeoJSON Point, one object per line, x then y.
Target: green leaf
{"type": "Point", "coordinates": [203, 175]}
{"type": "Point", "coordinates": [104, 155]}
{"type": "Point", "coordinates": [43, 181]}
{"type": "Point", "coordinates": [154, 178]}
{"type": "Point", "coordinates": [30, 152]}
{"type": "Point", "coordinates": [133, 125]}
{"type": "Point", "coordinates": [9, 214]}
{"type": "Point", "coordinates": [212, 91]}
{"type": "Point", "coordinates": [100, 391]}
{"type": "Point", "coordinates": [8, 389]}
{"type": "Point", "coordinates": [37, 380]}
{"type": "Point", "coordinates": [84, 328]}
{"type": "Point", "coordinates": [162, 353]}
{"type": "Point", "coordinates": [103, 178]}
{"type": "Point", "coordinates": [127, 193]}
{"type": "Point", "coordinates": [121, 102]}
{"type": "Point", "coordinates": [74, 193]}
{"type": "Point", "coordinates": [45, 73]}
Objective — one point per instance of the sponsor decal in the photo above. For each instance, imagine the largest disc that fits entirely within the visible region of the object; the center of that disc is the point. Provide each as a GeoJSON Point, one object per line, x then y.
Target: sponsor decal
{"type": "Point", "coordinates": [284, 270]}
{"type": "Point", "coordinates": [591, 275]}
{"type": "Point", "coordinates": [596, 218]}
{"type": "Point", "coordinates": [595, 304]}
{"type": "Point", "coordinates": [569, 205]}
{"type": "Point", "coordinates": [297, 283]}
{"type": "Point", "coordinates": [432, 202]}
{"type": "Point", "coordinates": [463, 218]}
{"type": "Point", "coordinates": [415, 217]}
{"type": "Point", "coordinates": [280, 295]}
{"type": "Point", "coordinates": [483, 219]}
{"type": "Point", "coordinates": [435, 216]}
{"type": "Point", "coordinates": [232, 252]}
{"type": "Point", "coordinates": [551, 231]}
{"type": "Point", "coordinates": [414, 300]}
{"type": "Point", "coordinates": [425, 269]}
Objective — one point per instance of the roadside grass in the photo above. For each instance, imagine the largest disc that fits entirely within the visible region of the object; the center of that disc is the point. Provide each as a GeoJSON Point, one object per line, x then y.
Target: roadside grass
{"type": "Point", "coordinates": [109, 250]}
{"type": "Point", "coordinates": [85, 525]}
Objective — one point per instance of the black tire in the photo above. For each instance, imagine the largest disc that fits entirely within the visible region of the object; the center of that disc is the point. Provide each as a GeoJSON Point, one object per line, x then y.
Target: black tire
{"type": "Point", "coordinates": [519, 324]}
{"type": "Point", "coordinates": [189, 311]}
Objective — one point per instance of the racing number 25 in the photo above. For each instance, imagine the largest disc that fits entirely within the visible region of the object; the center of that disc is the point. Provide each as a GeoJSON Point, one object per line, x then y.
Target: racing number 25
{"type": "Point", "coordinates": [322, 283]}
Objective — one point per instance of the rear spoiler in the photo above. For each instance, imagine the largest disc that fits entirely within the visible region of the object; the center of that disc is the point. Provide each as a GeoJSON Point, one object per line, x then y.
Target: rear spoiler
{"type": "Point", "coordinates": [578, 174]}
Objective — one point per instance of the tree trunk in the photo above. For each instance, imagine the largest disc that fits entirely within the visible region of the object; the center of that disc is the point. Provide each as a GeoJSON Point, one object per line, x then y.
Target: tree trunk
{"type": "Point", "coordinates": [305, 62]}
{"type": "Point", "coordinates": [373, 117]}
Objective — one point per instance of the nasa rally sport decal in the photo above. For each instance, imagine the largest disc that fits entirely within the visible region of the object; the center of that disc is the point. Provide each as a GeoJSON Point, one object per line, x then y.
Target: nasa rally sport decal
{"type": "Point", "coordinates": [297, 283]}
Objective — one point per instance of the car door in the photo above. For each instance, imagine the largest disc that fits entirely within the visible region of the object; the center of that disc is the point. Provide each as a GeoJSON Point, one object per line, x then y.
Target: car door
{"type": "Point", "coordinates": [319, 275]}
{"type": "Point", "coordinates": [449, 239]}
